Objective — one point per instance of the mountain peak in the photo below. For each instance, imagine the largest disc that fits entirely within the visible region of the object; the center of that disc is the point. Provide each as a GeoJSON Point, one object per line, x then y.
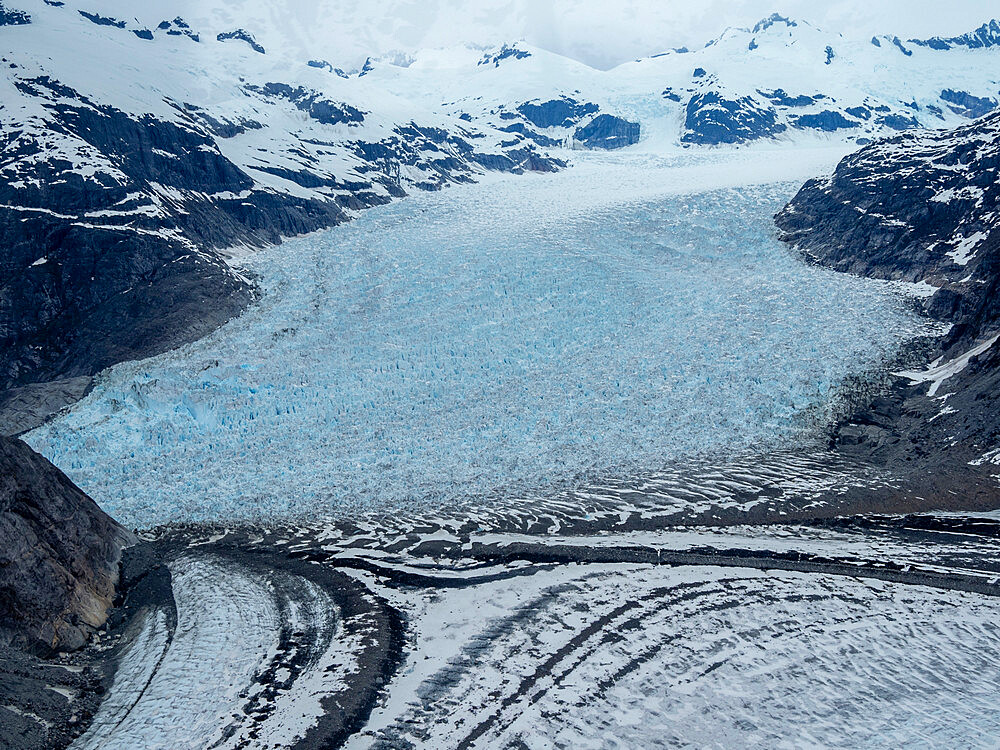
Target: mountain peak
{"type": "Point", "coordinates": [772, 20]}
{"type": "Point", "coordinates": [986, 36]}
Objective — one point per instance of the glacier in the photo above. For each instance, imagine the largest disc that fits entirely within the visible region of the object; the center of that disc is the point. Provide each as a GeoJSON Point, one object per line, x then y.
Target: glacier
{"type": "Point", "coordinates": [491, 340]}
{"type": "Point", "coordinates": [646, 657]}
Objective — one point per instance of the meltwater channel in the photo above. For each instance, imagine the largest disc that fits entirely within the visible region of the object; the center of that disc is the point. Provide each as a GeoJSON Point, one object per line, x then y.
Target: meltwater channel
{"type": "Point", "coordinates": [488, 340]}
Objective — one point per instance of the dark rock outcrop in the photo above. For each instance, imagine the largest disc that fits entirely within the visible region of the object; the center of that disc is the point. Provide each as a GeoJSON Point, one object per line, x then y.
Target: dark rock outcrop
{"type": "Point", "coordinates": [11, 17]}
{"type": "Point", "coordinates": [178, 27]}
{"type": "Point", "coordinates": [712, 119]}
{"type": "Point", "coordinates": [779, 97]}
{"type": "Point", "coordinates": [24, 408]}
{"type": "Point", "coordinates": [522, 129]}
{"type": "Point", "coordinates": [59, 554]}
{"type": "Point", "coordinates": [563, 112]}
{"type": "Point", "coordinates": [608, 132]}
{"type": "Point", "coordinates": [241, 35]}
{"type": "Point", "coordinates": [320, 109]}
{"type": "Point", "coordinates": [922, 207]}
{"type": "Point", "coordinates": [94, 269]}
{"type": "Point", "coordinates": [898, 208]}
{"type": "Point", "coordinates": [898, 122]}
{"type": "Point", "coordinates": [590, 128]}
{"type": "Point", "coordinates": [773, 20]}
{"type": "Point", "coordinates": [828, 121]}
{"type": "Point", "coordinates": [965, 104]}
{"type": "Point", "coordinates": [898, 44]}
{"type": "Point", "coordinates": [506, 52]}
{"type": "Point", "coordinates": [321, 64]}
{"type": "Point", "coordinates": [102, 20]}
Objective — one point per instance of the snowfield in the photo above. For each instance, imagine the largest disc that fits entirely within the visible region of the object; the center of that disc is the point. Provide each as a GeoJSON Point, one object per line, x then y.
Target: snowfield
{"type": "Point", "coordinates": [863, 635]}
{"type": "Point", "coordinates": [492, 340]}
{"type": "Point", "coordinates": [700, 658]}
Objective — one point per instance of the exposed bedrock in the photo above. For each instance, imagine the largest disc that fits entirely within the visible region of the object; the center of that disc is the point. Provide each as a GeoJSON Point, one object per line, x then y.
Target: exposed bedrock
{"type": "Point", "coordinates": [101, 296]}
{"type": "Point", "coordinates": [95, 269]}
{"type": "Point", "coordinates": [59, 554]}
{"type": "Point", "coordinates": [11, 17]}
{"type": "Point", "coordinates": [712, 119]}
{"type": "Point", "coordinates": [608, 132]}
{"type": "Point", "coordinates": [922, 208]}
{"type": "Point", "coordinates": [562, 112]}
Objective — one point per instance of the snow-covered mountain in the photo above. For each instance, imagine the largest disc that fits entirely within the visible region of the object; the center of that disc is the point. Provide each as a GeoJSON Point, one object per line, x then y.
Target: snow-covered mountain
{"type": "Point", "coordinates": [143, 146]}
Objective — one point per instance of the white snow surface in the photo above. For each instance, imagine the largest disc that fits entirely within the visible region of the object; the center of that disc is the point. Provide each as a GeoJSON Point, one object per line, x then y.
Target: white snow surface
{"type": "Point", "coordinates": [939, 373]}
{"type": "Point", "coordinates": [602, 656]}
{"type": "Point", "coordinates": [965, 248]}
{"type": "Point", "coordinates": [200, 688]}
{"type": "Point", "coordinates": [501, 338]}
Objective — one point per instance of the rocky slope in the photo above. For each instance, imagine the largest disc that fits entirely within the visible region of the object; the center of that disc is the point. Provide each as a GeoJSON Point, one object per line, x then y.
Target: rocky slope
{"type": "Point", "coordinates": [59, 555]}
{"type": "Point", "coordinates": [923, 208]}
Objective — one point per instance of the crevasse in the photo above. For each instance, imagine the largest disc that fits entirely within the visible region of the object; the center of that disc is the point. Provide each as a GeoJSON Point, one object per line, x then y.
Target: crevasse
{"type": "Point", "coordinates": [483, 341]}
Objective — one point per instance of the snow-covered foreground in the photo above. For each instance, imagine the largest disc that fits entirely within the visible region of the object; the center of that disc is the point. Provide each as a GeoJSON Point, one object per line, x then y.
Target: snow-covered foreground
{"type": "Point", "coordinates": [244, 656]}
{"type": "Point", "coordinates": [627, 656]}
{"type": "Point", "coordinates": [493, 339]}
{"type": "Point", "coordinates": [878, 634]}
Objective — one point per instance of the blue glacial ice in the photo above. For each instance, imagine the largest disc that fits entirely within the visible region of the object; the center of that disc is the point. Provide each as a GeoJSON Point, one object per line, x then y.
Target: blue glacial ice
{"type": "Point", "coordinates": [488, 341]}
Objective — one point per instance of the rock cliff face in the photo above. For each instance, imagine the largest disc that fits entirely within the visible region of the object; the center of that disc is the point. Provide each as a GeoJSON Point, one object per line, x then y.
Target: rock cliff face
{"type": "Point", "coordinates": [59, 555]}
{"type": "Point", "coordinates": [922, 208]}
{"type": "Point", "coordinates": [712, 119]}
{"type": "Point", "coordinates": [608, 132]}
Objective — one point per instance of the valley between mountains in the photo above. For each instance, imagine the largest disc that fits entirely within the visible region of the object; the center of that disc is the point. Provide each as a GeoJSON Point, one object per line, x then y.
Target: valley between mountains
{"type": "Point", "coordinates": [477, 398]}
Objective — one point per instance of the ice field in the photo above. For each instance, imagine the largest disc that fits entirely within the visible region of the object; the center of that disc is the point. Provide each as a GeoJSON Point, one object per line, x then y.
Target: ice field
{"type": "Point", "coordinates": [629, 657]}
{"type": "Point", "coordinates": [492, 340]}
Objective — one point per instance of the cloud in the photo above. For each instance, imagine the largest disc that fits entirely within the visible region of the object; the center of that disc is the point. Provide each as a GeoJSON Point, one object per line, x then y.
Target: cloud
{"type": "Point", "coordinates": [601, 33]}
{"type": "Point", "coordinates": [604, 34]}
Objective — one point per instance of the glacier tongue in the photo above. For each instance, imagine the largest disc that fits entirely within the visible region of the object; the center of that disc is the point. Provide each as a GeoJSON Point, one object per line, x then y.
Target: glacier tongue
{"type": "Point", "coordinates": [490, 340]}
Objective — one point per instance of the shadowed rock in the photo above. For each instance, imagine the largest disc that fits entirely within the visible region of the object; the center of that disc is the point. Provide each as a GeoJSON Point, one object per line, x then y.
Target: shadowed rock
{"type": "Point", "coordinates": [712, 119]}
{"type": "Point", "coordinates": [921, 207]}
{"type": "Point", "coordinates": [59, 554]}
{"type": "Point", "coordinates": [608, 132]}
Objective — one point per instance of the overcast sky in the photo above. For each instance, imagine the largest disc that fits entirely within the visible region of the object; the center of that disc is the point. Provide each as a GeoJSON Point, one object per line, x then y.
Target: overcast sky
{"type": "Point", "coordinates": [586, 29]}
{"type": "Point", "coordinates": [604, 33]}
